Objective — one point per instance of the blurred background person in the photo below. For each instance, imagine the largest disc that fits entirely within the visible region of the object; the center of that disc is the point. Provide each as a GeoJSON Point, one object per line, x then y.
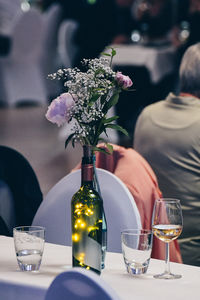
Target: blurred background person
{"type": "Point", "coordinates": [151, 18]}
{"type": "Point", "coordinates": [167, 134]}
{"type": "Point", "coordinates": [154, 17]}
{"type": "Point", "coordinates": [186, 28]}
{"type": "Point", "coordinates": [146, 23]}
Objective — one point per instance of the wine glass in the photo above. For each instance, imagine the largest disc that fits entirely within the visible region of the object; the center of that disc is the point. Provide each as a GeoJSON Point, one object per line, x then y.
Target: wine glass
{"type": "Point", "coordinates": [167, 224]}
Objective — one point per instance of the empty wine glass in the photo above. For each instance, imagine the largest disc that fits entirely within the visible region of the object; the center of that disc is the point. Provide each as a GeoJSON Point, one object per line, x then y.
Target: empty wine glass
{"type": "Point", "coordinates": [167, 224]}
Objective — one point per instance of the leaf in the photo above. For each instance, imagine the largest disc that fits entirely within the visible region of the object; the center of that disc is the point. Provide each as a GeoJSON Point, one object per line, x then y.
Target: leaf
{"type": "Point", "coordinates": [93, 99]}
{"type": "Point", "coordinates": [113, 101]}
{"type": "Point", "coordinates": [100, 131]}
{"type": "Point", "coordinates": [113, 53]}
{"type": "Point", "coordinates": [110, 148]}
{"type": "Point", "coordinates": [73, 143]}
{"type": "Point", "coordinates": [69, 139]}
{"type": "Point", "coordinates": [100, 150]}
{"type": "Point", "coordinates": [104, 130]}
{"type": "Point", "coordinates": [110, 119]}
{"type": "Point", "coordinates": [106, 54]}
{"type": "Point", "coordinates": [117, 127]}
{"type": "Point", "coordinates": [103, 99]}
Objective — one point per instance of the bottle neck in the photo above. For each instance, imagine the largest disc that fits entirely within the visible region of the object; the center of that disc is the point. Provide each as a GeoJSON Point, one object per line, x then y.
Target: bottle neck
{"type": "Point", "coordinates": [87, 169]}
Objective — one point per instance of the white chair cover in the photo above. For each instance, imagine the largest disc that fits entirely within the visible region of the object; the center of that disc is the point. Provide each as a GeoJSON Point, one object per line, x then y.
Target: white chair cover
{"type": "Point", "coordinates": [121, 211]}
{"type": "Point", "coordinates": [22, 78]}
{"type": "Point", "coordinates": [49, 57]}
{"type": "Point", "coordinates": [79, 284]}
{"type": "Point", "coordinates": [9, 11]}
{"type": "Point", "coordinates": [66, 47]}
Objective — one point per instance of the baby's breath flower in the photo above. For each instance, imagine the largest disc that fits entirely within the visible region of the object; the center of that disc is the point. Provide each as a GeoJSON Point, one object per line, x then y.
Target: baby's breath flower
{"type": "Point", "coordinates": [93, 92]}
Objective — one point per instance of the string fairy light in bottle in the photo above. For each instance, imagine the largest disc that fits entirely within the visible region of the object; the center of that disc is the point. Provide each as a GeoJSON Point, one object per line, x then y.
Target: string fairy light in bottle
{"type": "Point", "coordinates": [87, 213]}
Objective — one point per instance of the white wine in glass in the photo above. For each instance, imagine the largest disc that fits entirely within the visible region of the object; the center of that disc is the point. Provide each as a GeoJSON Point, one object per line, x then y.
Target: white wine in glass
{"type": "Point", "coordinates": [167, 224]}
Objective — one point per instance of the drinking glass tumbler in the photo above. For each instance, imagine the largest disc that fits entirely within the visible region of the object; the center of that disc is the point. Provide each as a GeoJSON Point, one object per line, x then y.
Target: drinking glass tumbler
{"type": "Point", "coordinates": [136, 249]}
{"type": "Point", "coordinates": [29, 246]}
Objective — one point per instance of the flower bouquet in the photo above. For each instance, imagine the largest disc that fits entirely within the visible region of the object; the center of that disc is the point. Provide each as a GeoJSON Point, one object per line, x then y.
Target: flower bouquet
{"type": "Point", "coordinates": [89, 96]}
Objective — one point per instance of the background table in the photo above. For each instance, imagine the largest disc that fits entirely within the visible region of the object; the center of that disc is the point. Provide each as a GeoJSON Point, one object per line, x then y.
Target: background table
{"type": "Point", "coordinates": [15, 284]}
{"type": "Point", "coordinates": [159, 61]}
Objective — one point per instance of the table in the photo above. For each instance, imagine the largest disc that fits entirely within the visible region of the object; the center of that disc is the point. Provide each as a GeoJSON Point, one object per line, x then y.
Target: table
{"type": "Point", "coordinates": [15, 284]}
{"type": "Point", "coordinates": [158, 60]}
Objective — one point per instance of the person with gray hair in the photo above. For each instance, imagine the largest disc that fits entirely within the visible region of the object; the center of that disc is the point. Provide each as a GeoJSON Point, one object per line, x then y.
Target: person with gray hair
{"type": "Point", "coordinates": [167, 134]}
{"type": "Point", "coordinates": [190, 71]}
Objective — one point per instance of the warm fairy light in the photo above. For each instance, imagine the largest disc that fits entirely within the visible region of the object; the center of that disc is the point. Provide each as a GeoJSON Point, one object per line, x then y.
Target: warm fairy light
{"type": "Point", "coordinates": [80, 224]}
{"type": "Point", "coordinates": [91, 228]}
{"type": "Point", "coordinates": [83, 209]}
{"type": "Point", "coordinates": [89, 212]}
{"type": "Point", "coordinates": [83, 224]}
{"type": "Point", "coordinates": [81, 259]}
{"type": "Point", "coordinates": [81, 256]}
{"type": "Point", "coordinates": [79, 205]}
{"type": "Point", "coordinates": [75, 237]}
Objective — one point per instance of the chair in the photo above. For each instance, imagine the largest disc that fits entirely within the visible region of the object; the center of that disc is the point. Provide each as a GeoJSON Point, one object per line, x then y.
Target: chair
{"type": "Point", "coordinates": [7, 210]}
{"type": "Point", "coordinates": [22, 79]}
{"type": "Point", "coordinates": [67, 48]}
{"type": "Point", "coordinates": [9, 11]}
{"type": "Point", "coordinates": [49, 60]}
{"type": "Point", "coordinates": [20, 193]}
{"type": "Point", "coordinates": [54, 212]}
{"type": "Point", "coordinates": [79, 284]}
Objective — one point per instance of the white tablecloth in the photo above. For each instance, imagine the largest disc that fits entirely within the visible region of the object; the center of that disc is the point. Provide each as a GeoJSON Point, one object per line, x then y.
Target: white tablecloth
{"type": "Point", "coordinates": [15, 284]}
{"type": "Point", "coordinates": [158, 60]}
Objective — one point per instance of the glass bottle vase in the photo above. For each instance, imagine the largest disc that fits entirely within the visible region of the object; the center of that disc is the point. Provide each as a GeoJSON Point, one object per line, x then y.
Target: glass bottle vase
{"type": "Point", "coordinates": [87, 219]}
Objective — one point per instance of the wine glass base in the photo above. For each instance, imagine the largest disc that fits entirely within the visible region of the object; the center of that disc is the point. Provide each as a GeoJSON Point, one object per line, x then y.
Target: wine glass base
{"type": "Point", "coordinates": [167, 276]}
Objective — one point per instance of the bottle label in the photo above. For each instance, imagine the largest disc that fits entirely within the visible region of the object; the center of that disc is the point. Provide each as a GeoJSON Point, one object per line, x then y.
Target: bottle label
{"type": "Point", "coordinates": [87, 173]}
{"type": "Point", "coordinates": [89, 253]}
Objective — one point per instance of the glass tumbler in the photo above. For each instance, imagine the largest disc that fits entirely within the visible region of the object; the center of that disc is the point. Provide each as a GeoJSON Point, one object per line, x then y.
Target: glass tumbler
{"type": "Point", "coordinates": [29, 246]}
{"type": "Point", "coordinates": [136, 249]}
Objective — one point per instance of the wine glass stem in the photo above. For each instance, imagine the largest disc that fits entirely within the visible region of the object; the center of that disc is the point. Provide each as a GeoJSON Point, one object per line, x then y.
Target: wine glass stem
{"type": "Point", "coordinates": [167, 268]}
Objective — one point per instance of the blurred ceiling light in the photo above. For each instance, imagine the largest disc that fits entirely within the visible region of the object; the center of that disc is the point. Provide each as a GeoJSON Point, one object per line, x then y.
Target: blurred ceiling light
{"type": "Point", "coordinates": [135, 36]}
{"type": "Point", "coordinates": [91, 1]}
{"type": "Point", "coordinates": [25, 6]}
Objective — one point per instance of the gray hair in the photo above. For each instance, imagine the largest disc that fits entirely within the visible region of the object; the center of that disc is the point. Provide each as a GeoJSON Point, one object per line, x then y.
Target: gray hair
{"type": "Point", "coordinates": [189, 72]}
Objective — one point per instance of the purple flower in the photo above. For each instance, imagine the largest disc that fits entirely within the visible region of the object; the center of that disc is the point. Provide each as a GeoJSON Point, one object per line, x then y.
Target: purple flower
{"type": "Point", "coordinates": [123, 81]}
{"type": "Point", "coordinates": [58, 110]}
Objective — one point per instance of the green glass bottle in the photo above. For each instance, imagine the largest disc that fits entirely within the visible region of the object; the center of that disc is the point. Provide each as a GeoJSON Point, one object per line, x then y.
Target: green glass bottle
{"type": "Point", "coordinates": [86, 214]}
{"type": "Point", "coordinates": [104, 222]}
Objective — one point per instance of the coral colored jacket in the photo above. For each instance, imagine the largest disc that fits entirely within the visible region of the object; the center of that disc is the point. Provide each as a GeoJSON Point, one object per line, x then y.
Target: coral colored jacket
{"type": "Point", "coordinates": [138, 176]}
